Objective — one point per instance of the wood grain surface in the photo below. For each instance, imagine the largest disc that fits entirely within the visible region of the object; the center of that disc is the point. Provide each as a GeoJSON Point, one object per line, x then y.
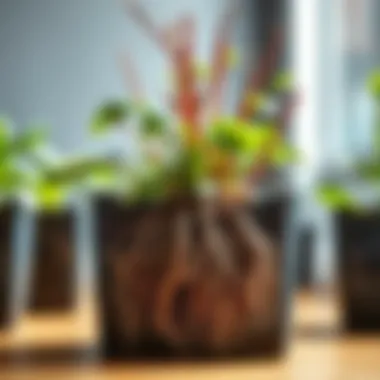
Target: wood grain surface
{"type": "Point", "coordinates": [64, 347]}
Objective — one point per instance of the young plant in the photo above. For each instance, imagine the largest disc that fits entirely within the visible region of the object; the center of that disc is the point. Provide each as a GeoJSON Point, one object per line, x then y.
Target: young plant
{"type": "Point", "coordinates": [198, 147]}
{"type": "Point", "coordinates": [191, 261]}
{"type": "Point", "coordinates": [334, 194]}
{"type": "Point", "coordinates": [15, 150]}
{"type": "Point", "coordinates": [55, 183]}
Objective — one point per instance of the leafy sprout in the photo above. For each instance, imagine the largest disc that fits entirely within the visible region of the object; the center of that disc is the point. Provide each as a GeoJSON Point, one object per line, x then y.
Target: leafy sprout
{"type": "Point", "coordinates": [109, 115]}
{"type": "Point", "coordinates": [152, 123]}
{"type": "Point", "coordinates": [56, 183]}
{"type": "Point", "coordinates": [226, 152]}
{"type": "Point", "coordinates": [15, 150]}
{"type": "Point", "coordinates": [337, 198]}
{"type": "Point", "coordinates": [23, 170]}
{"type": "Point", "coordinates": [241, 138]}
{"type": "Point", "coordinates": [13, 146]}
{"type": "Point", "coordinates": [202, 145]}
{"type": "Point", "coordinates": [118, 113]}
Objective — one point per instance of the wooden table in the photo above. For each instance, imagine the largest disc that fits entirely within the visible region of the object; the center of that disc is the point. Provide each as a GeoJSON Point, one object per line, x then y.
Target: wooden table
{"type": "Point", "coordinates": [318, 351]}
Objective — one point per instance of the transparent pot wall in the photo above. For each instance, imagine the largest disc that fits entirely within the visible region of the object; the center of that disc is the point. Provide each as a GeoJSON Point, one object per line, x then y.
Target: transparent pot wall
{"type": "Point", "coordinates": [192, 280]}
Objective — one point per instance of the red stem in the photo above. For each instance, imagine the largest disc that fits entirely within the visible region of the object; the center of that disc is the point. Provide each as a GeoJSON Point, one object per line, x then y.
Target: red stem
{"type": "Point", "coordinates": [186, 96]}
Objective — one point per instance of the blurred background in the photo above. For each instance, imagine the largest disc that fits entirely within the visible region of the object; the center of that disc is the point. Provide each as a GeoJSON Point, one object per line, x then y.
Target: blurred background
{"type": "Point", "coordinates": [59, 59]}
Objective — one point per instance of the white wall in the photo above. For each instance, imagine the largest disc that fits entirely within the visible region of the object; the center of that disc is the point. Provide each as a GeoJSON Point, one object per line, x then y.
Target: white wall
{"type": "Point", "coordinates": [58, 58]}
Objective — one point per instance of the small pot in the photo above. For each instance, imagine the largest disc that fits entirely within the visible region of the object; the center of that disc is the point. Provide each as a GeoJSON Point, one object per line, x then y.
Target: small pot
{"type": "Point", "coordinates": [7, 216]}
{"type": "Point", "coordinates": [191, 280]}
{"type": "Point", "coordinates": [358, 237]}
{"type": "Point", "coordinates": [53, 255]}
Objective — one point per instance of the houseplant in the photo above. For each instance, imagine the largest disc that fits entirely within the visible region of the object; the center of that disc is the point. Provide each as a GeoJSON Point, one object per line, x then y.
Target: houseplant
{"type": "Point", "coordinates": [354, 203]}
{"type": "Point", "coordinates": [14, 180]}
{"type": "Point", "coordinates": [185, 270]}
{"type": "Point", "coordinates": [56, 182]}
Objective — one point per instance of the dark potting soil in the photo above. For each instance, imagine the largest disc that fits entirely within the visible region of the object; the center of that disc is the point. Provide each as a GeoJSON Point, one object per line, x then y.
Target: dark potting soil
{"type": "Point", "coordinates": [53, 263]}
{"type": "Point", "coordinates": [6, 223]}
{"type": "Point", "coordinates": [165, 296]}
{"type": "Point", "coordinates": [359, 267]}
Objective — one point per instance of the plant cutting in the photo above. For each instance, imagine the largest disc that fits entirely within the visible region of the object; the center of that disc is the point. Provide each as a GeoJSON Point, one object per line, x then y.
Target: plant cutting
{"type": "Point", "coordinates": [14, 180]}
{"type": "Point", "coordinates": [54, 189]}
{"type": "Point", "coordinates": [50, 183]}
{"type": "Point", "coordinates": [354, 205]}
{"type": "Point", "coordinates": [185, 269]}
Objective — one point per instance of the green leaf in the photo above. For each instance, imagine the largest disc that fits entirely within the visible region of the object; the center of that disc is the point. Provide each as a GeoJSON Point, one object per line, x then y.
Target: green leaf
{"type": "Point", "coordinates": [259, 136]}
{"type": "Point", "coordinates": [152, 123]}
{"type": "Point", "coordinates": [28, 141]}
{"type": "Point", "coordinates": [336, 197]}
{"type": "Point", "coordinates": [110, 115]}
{"type": "Point", "coordinates": [373, 83]}
{"type": "Point", "coordinates": [225, 135]}
{"type": "Point", "coordinates": [77, 170]}
{"type": "Point", "coordinates": [49, 196]}
{"type": "Point", "coordinates": [238, 137]}
{"type": "Point", "coordinates": [369, 171]}
{"type": "Point", "coordinates": [14, 149]}
{"type": "Point", "coordinates": [11, 178]}
{"type": "Point", "coordinates": [21, 146]}
{"type": "Point", "coordinates": [104, 174]}
{"type": "Point", "coordinates": [285, 154]}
